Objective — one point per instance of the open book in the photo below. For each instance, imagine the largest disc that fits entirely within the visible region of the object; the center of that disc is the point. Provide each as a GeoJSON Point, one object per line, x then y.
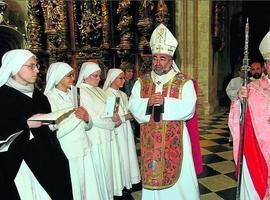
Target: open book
{"type": "Point", "coordinates": [54, 117]}
{"type": "Point", "coordinates": [4, 144]}
{"type": "Point", "coordinates": [112, 104]}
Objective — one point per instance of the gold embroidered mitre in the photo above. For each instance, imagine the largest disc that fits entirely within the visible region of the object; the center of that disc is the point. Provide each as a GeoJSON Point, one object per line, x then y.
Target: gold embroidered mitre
{"type": "Point", "coordinates": [162, 41]}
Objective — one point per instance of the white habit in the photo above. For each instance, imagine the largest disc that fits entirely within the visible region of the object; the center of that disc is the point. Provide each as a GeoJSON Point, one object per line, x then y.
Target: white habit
{"type": "Point", "coordinates": [71, 133]}
{"type": "Point", "coordinates": [100, 136]}
{"type": "Point", "coordinates": [126, 143]}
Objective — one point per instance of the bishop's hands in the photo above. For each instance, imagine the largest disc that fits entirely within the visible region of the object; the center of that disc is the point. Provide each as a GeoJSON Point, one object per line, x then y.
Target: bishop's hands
{"type": "Point", "coordinates": [156, 98]}
{"type": "Point", "coordinates": [82, 114]}
{"type": "Point", "coordinates": [243, 93]}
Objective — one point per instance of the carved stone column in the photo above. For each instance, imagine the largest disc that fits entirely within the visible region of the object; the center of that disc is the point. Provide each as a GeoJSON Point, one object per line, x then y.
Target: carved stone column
{"type": "Point", "coordinates": [193, 30]}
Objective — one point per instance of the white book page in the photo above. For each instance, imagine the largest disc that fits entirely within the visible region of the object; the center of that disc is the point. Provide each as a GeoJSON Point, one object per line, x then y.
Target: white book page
{"type": "Point", "coordinates": [110, 105]}
{"type": "Point", "coordinates": [76, 95]}
{"type": "Point", "coordinates": [4, 144]}
{"type": "Point", "coordinates": [53, 116]}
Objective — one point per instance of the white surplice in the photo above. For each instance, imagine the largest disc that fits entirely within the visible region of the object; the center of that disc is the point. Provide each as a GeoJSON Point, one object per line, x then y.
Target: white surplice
{"type": "Point", "coordinates": [73, 139]}
{"type": "Point", "coordinates": [104, 148]}
{"type": "Point", "coordinates": [186, 187]}
{"type": "Point", "coordinates": [126, 143]}
{"type": "Point", "coordinates": [233, 87]}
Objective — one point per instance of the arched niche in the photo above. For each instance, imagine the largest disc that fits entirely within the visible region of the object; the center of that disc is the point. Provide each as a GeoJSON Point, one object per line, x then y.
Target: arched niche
{"type": "Point", "coordinates": [10, 38]}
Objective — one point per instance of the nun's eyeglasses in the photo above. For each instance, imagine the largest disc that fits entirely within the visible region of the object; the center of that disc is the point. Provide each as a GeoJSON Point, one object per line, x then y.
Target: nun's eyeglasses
{"type": "Point", "coordinates": [95, 75]}
{"type": "Point", "coordinates": [33, 66]}
{"type": "Point", "coordinates": [121, 78]}
{"type": "Point", "coordinates": [70, 75]}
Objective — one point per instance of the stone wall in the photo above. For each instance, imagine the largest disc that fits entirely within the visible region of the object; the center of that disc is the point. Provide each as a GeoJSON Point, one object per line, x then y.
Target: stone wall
{"type": "Point", "coordinates": [195, 55]}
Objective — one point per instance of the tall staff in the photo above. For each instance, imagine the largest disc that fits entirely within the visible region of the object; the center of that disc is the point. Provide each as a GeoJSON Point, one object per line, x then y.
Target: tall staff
{"type": "Point", "coordinates": [245, 68]}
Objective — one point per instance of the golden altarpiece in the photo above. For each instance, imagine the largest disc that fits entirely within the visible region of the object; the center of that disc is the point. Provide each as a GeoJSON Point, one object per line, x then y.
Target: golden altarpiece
{"type": "Point", "coordinates": [109, 32]}
{"type": "Point", "coordinates": [113, 31]}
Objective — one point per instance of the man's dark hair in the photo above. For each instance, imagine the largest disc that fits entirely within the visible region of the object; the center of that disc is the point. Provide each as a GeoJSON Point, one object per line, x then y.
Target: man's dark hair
{"type": "Point", "coordinates": [127, 65]}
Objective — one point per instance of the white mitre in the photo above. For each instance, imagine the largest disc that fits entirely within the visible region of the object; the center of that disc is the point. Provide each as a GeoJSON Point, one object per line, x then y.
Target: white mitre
{"type": "Point", "coordinates": [162, 41]}
{"type": "Point", "coordinates": [265, 46]}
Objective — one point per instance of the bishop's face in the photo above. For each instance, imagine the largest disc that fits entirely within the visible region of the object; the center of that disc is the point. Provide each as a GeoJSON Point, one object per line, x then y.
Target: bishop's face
{"type": "Point", "coordinates": [161, 63]}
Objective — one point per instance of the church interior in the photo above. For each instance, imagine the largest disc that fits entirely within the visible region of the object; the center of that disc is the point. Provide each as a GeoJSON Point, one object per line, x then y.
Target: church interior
{"type": "Point", "coordinates": [210, 34]}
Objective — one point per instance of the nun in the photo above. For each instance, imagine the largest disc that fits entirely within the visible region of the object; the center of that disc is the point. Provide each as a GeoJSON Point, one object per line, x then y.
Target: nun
{"type": "Point", "coordinates": [34, 166]}
{"type": "Point", "coordinates": [124, 133]}
{"type": "Point", "coordinates": [100, 135]}
{"type": "Point", "coordinates": [71, 132]}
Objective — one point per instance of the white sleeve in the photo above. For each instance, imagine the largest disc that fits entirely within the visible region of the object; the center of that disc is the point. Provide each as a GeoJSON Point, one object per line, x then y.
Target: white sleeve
{"type": "Point", "coordinates": [138, 105]}
{"type": "Point", "coordinates": [181, 108]}
{"type": "Point", "coordinates": [89, 124]}
{"type": "Point", "coordinates": [94, 110]}
{"type": "Point", "coordinates": [68, 125]}
{"type": "Point", "coordinates": [104, 123]}
{"type": "Point", "coordinates": [65, 126]}
{"type": "Point", "coordinates": [124, 100]}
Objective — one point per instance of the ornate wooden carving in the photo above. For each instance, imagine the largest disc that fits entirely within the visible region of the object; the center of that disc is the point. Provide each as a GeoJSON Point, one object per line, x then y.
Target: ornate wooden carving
{"type": "Point", "coordinates": [123, 27]}
{"type": "Point", "coordinates": [105, 24]}
{"type": "Point", "coordinates": [76, 31]}
{"type": "Point", "coordinates": [55, 27]}
{"type": "Point", "coordinates": [90, 26]}
{"type": "Point", "coordinates": [34, 34]}
{"type": "Point", "coordinates": [2, 8]}
{"type": "Point", "coordinates": [145, 24]}
{"type": "Point", "coordinates": [162, 15]}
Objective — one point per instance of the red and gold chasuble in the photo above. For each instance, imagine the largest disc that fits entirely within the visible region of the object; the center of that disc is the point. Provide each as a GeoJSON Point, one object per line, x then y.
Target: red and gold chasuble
{"type": "Point", "coordinates": [161, 142]}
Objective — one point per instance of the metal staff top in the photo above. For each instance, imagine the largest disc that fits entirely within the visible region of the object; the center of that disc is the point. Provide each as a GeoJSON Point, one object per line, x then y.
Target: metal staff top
{"type": "Point", "coordinates": [245, 66]}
